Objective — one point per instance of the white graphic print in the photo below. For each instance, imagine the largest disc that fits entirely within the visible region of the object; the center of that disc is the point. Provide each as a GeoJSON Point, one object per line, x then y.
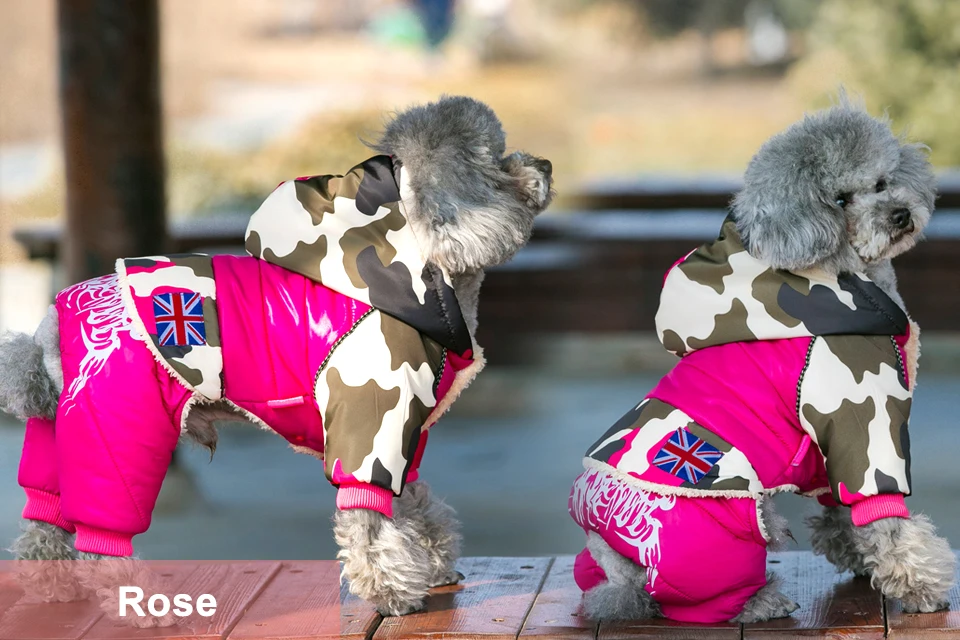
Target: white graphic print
{"type": "Point", "coordinates": [103, 317]}
{"type": "Point", "coordinates": [600, 502]}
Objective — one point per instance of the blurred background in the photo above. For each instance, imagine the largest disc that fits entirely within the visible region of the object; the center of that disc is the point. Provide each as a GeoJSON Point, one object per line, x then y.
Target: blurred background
{"type": "Point", "coordinates": [134, 128]}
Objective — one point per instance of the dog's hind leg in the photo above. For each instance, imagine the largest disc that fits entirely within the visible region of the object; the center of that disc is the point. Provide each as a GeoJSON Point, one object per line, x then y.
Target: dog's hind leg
{"type": "Point", "coordinates": [45, 562]}
{"type": "Point", "coordinates": [437, 528]}
{"type": "Point", "coordinates": [105, 575]}
{"type": "Point", "coordinates": [769, 602]}
{"type": "Point", "coordinates": [622, 596]}
{"type": "Point", "coordinates": [831, 536]}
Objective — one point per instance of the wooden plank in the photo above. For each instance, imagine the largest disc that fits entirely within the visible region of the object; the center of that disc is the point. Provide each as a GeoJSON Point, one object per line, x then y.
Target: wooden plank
{"type": "Point", "coordinates": [831, 604]}
{"type": "Point", "coordinates": [939, 626]}
{"type": "Point", "coordinates": [306, 600]}
{"type": "Point", "coordinates": [10, 591]}
{"type": "Point", "coordinates": [235, 585]}
{"type": "Point", "coordinates": [667, 629]}
{"type": "Point", "coordinates": [556, 611]}
{"type": "Point", "coordinates": [24, 619]}
{"type": "Point", "coordinates": [492, 602]}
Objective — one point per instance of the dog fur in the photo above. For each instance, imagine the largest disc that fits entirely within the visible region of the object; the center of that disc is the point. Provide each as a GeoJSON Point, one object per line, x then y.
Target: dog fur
{"type": "Point", "coordinates": [472, 207]}
{"type": "Point", "coordinates": [823, 194]}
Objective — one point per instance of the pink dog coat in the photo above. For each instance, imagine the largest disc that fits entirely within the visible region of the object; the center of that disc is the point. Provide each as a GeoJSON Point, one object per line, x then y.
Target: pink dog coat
{"type": "Point", "coordinates": [787, 382]}
{"type": "Point", "coordinates": [334, 333]}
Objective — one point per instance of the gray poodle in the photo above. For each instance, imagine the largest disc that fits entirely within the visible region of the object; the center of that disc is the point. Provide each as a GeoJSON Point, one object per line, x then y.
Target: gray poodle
{"type": "Point", "coordinates": [470, 205]}
{"type": "Point", "coordinates": [824, 208]}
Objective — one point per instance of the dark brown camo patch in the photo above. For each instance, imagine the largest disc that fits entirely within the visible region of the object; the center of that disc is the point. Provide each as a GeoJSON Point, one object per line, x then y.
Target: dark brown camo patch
{"type": "Point", "coordinates": [843, 438]}
{"type": "Point", "coordinates": [353, 418]}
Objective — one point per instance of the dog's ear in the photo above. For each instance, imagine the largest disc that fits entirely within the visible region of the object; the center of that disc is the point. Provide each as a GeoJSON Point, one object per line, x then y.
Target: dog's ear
{"type": "Point", "coordinates": [534, 179]}
{"type": "Point", "coordinates": [783, 221]}
{"type": "Point", "coordinates": [915, 173]}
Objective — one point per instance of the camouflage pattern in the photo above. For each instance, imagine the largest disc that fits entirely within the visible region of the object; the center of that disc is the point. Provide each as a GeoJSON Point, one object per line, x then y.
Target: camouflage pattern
{"type": "Point", "coordinates": [199, 367]}
{"type": "Point", "coordinates": [630, 445]}
{"type": "Point", "coordinates": [855, 405]}
{"type": "Point", "coordinates": [375, 391]}
{"type": "Point", "coordinates": [349, 233]}
{"type": "Point", "coordinates": [720, 294]}
{"type": "Point", "coordinates": [851, 394]}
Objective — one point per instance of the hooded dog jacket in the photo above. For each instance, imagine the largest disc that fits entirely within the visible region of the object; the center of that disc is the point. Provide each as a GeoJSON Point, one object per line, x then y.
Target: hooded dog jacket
{"type": "Point", "coordinates": [333, 333]}
{"type": "Point", "coordinates": [787, 381]}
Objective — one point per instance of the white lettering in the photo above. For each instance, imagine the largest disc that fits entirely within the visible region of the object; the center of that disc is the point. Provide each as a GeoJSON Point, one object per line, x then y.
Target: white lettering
{"type": "Point", "coordinates": [125, 600]}
{"type": "Point", "coordinates": [182, 606]}
{"type": "Point", "coordinates": [159, 605]}
{"type": "Point", "coordinates": [206, 605]}
{"type": "Point", "coordinates": [164, 602]}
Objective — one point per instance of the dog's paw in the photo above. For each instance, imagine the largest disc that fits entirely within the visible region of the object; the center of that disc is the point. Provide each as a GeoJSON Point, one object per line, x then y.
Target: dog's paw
{"type": "Point", "coordinates": [451, 577]}
{"type": "Point", "coordinates": [923, 605]}
{"type": "Point", "coordinates": [778, 606]}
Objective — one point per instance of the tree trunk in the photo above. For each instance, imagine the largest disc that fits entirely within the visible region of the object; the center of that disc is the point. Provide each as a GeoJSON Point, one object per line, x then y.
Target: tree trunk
{"type": "Point", "coordinates": [112, 133]}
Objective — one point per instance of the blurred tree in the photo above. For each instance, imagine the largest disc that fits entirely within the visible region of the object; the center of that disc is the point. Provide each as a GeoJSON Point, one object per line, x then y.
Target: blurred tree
{"type": "Point", "coordinates": [670, 17]}
{"type": "Point", "coordinates": [902, 55]}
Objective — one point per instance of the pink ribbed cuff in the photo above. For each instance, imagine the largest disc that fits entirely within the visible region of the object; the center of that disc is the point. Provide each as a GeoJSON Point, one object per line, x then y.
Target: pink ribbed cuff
{"type": "Point", "coordinates": [108, 543]}
{"type": "Point", "coordinates": [365, 496]}
{"type": "Point", "coordinates": [887, 505]}
{"type": "Point", "coordinates": [45, 506]}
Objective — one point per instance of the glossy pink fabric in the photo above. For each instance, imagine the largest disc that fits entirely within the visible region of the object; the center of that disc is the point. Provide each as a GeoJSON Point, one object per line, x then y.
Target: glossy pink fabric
{"type": "Point", "coordinates": [680, 540]}
{"type": "Point", "coordinates": [99, 466]}
{"type": "Point", "coordinates": [276, 329]}
{"type": "Point", "coordinates": [112, 445]}
{"type": "Point", "coordinates": [746, 393]}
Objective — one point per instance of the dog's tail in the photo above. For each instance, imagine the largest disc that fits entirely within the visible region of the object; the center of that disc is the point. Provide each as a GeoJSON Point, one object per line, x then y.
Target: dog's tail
{"type": "Point", "coordinates": [26, 387]}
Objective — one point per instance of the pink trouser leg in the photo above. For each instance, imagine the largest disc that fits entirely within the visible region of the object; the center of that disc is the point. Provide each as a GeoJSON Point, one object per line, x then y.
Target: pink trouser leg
{"type": "Point", "coordinates": [39, 475]}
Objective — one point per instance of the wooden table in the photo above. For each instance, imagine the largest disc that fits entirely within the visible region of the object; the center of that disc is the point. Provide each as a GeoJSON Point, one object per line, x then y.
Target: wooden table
{"type": "Point", "coordinates": [500, 598]}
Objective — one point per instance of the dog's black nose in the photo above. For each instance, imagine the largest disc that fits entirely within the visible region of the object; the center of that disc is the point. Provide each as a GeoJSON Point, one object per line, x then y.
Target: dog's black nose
{"type": "Point", "coordinates": [901, 218]}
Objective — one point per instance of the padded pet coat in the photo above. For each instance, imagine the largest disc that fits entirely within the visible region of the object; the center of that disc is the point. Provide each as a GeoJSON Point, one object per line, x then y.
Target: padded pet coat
{"type": "Point", "coordinates": [787, 381]}
{"type": "Point", "coordinates": [334, 333]}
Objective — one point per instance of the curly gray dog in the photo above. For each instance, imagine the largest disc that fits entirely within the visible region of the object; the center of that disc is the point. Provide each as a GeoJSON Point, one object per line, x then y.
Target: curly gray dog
{"type": "Point", "coordinates": [401, 241]}
{"type": "Point", "coordinates": [798, 361]}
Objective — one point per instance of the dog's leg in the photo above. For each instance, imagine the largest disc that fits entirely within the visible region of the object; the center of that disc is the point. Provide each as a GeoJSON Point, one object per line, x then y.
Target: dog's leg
{"type": "Point", "coordinates": [907, 561]}
{"type": "Point", "coordinates": [832, 537]}
{"type": "Point", "coordinates": [769, 602]}
{"type": "Point", "coordinates": [104, 575]}
{"type": "Point", "coordinates": [622, 596]}
{"type": "Point", "coordinates": [45, 556]}
{"type": "Point", "coordinates": [384, 559]}
{"type": "Point", "coordinates": [436, 524]}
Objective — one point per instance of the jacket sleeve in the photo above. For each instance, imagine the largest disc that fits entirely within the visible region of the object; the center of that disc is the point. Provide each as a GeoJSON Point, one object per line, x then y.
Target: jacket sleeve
{"type": "Point", "coordinates": [854, 402]}
{"type": "Point", "coordinates": [375, 392]}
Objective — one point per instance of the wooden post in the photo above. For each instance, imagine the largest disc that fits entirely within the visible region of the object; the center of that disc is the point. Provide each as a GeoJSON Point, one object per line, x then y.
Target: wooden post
{"type": "Point", "coordinates": [112, 133]}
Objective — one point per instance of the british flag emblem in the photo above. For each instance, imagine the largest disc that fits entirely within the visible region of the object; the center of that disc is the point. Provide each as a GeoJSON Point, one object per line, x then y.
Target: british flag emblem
{"type": "Point", "coordinates": [179, 318]}
{"type": "Point", "coordinates": [687, 456]}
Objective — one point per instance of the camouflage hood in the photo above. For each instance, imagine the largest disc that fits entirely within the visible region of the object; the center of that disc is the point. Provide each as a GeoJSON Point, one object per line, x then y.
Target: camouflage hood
{"type": "Point", "coordinates": [720, 294]}
{"type": "Point", "coordinates": [351, 234]}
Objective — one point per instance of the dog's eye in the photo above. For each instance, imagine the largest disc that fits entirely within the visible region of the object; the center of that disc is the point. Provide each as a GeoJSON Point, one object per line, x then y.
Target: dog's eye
{"type": "Point", "coordinates": [881, 185]}
{"type": "Point", "coordinates": [843, 200]}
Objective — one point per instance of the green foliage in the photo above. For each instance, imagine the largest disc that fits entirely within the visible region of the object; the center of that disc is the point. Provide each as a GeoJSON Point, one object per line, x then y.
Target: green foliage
{"type": "Point", "coordinates": [902, 56]}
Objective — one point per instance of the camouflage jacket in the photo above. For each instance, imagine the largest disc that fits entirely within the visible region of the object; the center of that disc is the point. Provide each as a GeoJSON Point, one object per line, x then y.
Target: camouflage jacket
{"type": "Point", "coordinates": [787, 381]}
{"type": "Point", "coordinates": [334, 332]}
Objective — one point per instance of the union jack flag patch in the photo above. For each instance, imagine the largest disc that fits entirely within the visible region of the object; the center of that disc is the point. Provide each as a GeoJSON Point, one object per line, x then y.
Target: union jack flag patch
{"type": "Point", "coordinates": [179, 318]}
{"type": "Point", "coordinates": [687, 456]}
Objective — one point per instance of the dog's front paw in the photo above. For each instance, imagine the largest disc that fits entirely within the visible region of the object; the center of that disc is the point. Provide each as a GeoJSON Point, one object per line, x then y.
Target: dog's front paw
{"type": "Point", "coordinates": [446, 579]}
{"type": "Point", "coordinates": [923, 605]}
